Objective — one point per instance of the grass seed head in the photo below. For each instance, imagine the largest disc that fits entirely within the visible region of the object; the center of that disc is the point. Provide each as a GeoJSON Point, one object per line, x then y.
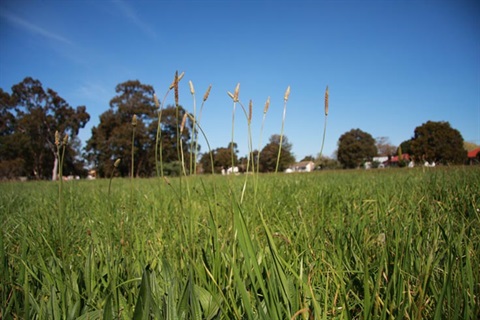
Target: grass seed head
{"type": "Point", "coordinates": [192, 90]}
{"type": "Point", "coordinates": [250, 107]}
{"type": "Point", "coordinates": [181, 76]}
{"type": "Point", "coordinates": [205, 97]}
{"type": "Point", "coordinates": [155, 99]}
{"type": "Point", "coordinates": [236, 92]}
{"type": "Point", "coordinates": [65, 139]}
{"type": "Point", "coordinates": [166, 180]}
{"type": "Point", "coordinates": [287, 94]}
{"type": "Point", "coordinates": [231, 95]}
{"type": "Point", "coordinates": [175, 87]}
{"type": "Point", "coordinates": [57, 138]}
{"type": "Point", "coordinates": [326, 101]}
{"type": "Point", "coordinates": [184, 120]}
{"type": "Point", "coordinates": [134, 120]}
{"type": "Point", "coordinates": [176, 79]}
{"type": "Point", "coordinates": [117, 162]}
{"type": "Point", "coordinates": [267, 105]}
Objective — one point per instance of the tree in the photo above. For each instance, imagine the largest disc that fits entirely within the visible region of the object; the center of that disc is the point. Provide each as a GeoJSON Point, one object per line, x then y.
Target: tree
{"type": "Point", "coordinates": [112, 138]}
{"type": "Point", "coordinates": [405, 147]}
{"type": "Point", "coordinates": [469, 146]}
{"type": "Point", "coordinates": [326, 163]}
{"type": "Point", "coordinates": [170, 148]}
{"type": "Point", "coordinates": [222, 159]}
{"type": "Point", "coordinates": [438, 142]}
{"type": "Point", "coordinates": [355, 147]}
{"type": "Point", "coordinates": [384, 147]}
{"type": "Point", "coordinates": [269, 155]}
{"type": "Point", "coordinates": [308, 158]}
{"type": "Point", "coordinates": [30, 118]}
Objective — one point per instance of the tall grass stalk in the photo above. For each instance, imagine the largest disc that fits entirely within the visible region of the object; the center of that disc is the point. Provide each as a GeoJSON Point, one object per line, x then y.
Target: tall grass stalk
{"type": "Point", "coordinates": [285, 99]}
{"type": "Point", "coordinates": [115, 166]}
{"type": "Point", "coordinates": [61, 145]}
{"type": "Point", "coordinates": [325, 124]}
{"type": "Point", "coordinates": [205, 98]}
{"type": "Point", "coordinates": [265, 110]}
{"type": "Point", "coordinates": [193, 153]}
{"type": "Point", "coordinates": [132, 169]}
{"type": "Point", "coordinates": [234, 97]}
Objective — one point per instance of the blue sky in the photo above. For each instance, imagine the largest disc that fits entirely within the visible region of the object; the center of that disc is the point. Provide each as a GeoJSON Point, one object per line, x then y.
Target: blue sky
{"type": "Point", "coordinates": [390, 65]}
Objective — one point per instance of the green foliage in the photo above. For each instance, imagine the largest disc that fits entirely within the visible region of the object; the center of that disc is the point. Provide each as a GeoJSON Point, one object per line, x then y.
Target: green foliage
{"type": "Point", "coordinates": [29, 117]}
{"type": "Point", "coordinates": [112, 138]}
{"type": "Point", "coordinates": [222, 159]}
{"type": "Point", "coordinates": [438, 142]}
{"type": "Point", "coordinates": [268, 155]}
{"type": "Point", "coordinates": [327, 163]}
{"type": "Point", "coordinates": [406, 147]}
{"type": "Point", "coordinates": [376, 244]}
{"type": "Point", "coordinates": [355, 147]}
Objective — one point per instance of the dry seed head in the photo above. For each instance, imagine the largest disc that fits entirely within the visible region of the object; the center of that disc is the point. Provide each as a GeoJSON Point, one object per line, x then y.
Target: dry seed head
{"type": "Point", "coordinates": [326, 101]}
{"type": "Point", "coordinates": [65, 139]}
{"type": "Point", "coordinates": [175, 87]}
{"type": "Point", "coordinates": [205, 97]}
{"type": "Point", "coordinates": [176, 79]}
{"type": "Point", "coordinates": [57, 138]}
{"type": "Point", "coordinates": [134, 120]}
{"type": "Point", "coordinates": [180, 76]}
{"type": "Point", "coordinates": [166, 180]}
{"type": "Point", "coordinates": [184, 120]}
{"type": "Point", "coordinates": [155, 99]}
{"type": "Point", "coordinates": [250, 107]}
{"type": "Point", "coordinates": [236, 92]}
{"type": "Point", "coordinates": [287, 94]}
{"type": "Point", "coordinates": [231, 95]}
{"type": "Point", "coordinates": [267, 105]}
{"type": "Point", "coordinates": [117, 162]}
{"type": "Point", "coordinates": [192, 90]}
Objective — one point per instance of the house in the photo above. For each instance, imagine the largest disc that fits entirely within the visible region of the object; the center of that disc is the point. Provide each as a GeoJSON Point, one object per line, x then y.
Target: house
{"type": "Point", "coordinates": [302, 166]}
{"type": "Point", "coordinates": [230, 170]}
{"type": "Point", "coordinates": [474, 156]}
{"type": "Point", "coordinates": [92, 174]}
{"type": "Point", "coordinates": [395, 161]}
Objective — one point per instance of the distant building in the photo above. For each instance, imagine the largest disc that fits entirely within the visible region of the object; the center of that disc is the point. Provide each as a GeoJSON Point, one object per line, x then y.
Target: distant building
{"type": "Point", "coordinates": [92, 174]}
{"type": "Point", "coordinates": [474, 156]}
{"type": "Point", "coordinates": [303, 166]}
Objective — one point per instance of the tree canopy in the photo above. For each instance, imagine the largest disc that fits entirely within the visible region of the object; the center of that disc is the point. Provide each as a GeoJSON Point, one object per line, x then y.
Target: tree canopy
{"type": "Point", "coordinates": [355, 147]}
{"type": "Point", "coordinates": [385, 147]}
{"type": "Point", "coordinates": [222, 159]}
{"type": "Point", "coordinates": [269, 155]}
{"type": "Point", "coordinates": [30, 116]}
{"type": "Point", "coordinates": [438, 142]}
{"type": "Point", "coordinates": [112, 138]}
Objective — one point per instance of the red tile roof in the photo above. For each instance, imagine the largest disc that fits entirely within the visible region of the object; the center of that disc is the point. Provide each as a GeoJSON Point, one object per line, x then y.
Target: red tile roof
{"type": "Point", "coordinates": [405, 156]}
{"type": "Point", "coordinates": [473, 153]}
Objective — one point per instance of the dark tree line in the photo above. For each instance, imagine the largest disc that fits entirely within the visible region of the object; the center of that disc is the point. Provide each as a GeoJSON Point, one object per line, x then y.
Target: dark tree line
{"type": "Point", "coordinates": [263, 161]}
{"type": "Point", "coordinates": [30, 116]}
{"type": "Point", "coordinates": [432, 141]}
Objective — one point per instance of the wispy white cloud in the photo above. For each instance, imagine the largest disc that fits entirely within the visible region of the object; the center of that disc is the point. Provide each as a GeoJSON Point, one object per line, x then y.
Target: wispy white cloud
{"type": "Point", "coordinates": [93, 91]}
{"type": "Point", "coordinates": [128, 12]}
{"type": "Point", "coordinates": [32, 28]}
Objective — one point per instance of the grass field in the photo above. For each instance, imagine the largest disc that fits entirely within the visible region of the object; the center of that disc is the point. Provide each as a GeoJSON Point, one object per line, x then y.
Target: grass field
{"type": "Point", "coordinates": [379, 244]}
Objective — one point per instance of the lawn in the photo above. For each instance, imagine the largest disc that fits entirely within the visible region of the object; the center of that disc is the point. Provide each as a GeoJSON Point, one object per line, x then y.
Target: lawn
{"type": "Point", "coordinates": [378, 244]}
